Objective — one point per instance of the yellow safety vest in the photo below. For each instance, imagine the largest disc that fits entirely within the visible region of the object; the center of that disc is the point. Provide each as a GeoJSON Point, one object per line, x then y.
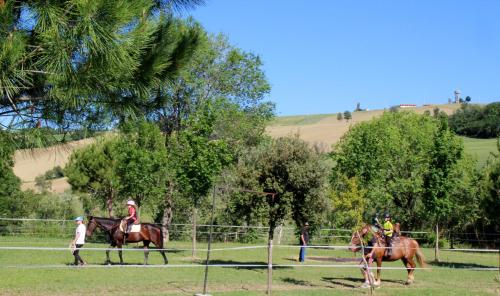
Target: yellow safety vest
{"type": "Point", "coordinates": [388, 228]}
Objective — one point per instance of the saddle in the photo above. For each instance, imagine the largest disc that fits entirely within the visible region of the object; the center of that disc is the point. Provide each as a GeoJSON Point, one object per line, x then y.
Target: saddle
{"type": "Point", "coordinates": [133, 228]}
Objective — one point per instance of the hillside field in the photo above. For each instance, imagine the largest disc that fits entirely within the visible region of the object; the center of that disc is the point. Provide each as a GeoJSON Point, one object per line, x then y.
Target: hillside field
{"type": "Point", "coordinates": [322, 130]}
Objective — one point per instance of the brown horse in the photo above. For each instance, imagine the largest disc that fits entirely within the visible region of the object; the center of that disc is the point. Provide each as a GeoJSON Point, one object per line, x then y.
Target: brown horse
{"type": "Point", "coordinates": [403, 248]}
{"type": "Point", "coordinates": [149, 233]}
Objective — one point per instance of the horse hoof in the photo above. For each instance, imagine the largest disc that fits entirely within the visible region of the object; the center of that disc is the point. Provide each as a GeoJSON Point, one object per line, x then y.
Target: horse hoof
{"type": "Point", "coordinates": [409, 283]}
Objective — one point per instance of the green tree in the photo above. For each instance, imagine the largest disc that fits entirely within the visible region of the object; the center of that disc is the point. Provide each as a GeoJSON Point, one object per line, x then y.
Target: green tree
{"type": "Point", "coordinates": [196, 159]}
{"type": "Point", "coordinates": [10, 185]}
{"type": "Point", "coordinates": [491, 203]}
{"type": "Point", "coordinates": [392, 157]}
{"type": "Point", "coordinates": [348, 203]}
{"type": "Point", "coordinates": [447, 150]}
{"type": "Point", "coordinates": [339, 116]}
{"type": "Point", "coordinates": [233, 85]}
{"type": "Point", "coordinates": [294, 176]}
{"type": "Point", "coordinates": [347, 115]}
{"type": "Point", "coordinates": [141, 161]}
{"type": "Point", "coordinates": [92, 170]}
{"type": "Point", "coordinates": [477, 121]}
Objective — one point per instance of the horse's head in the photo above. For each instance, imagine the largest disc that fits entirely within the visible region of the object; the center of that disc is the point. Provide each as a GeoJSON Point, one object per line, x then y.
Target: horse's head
{"type": "Point", "coordinates": [357, 237]}
{"type": "Point", "coordinates": [91, 226]}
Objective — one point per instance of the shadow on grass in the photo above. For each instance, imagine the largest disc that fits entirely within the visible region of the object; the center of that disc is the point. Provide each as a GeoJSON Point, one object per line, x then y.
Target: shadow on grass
{"type": "Point", "coordinates": [459, 265]}
{"type": "Point", "coordinates": [297, 282]}
{"type": "Point", "coordinates": [251, 265]}
{"type": "Point", "coordinates": [356, 282]}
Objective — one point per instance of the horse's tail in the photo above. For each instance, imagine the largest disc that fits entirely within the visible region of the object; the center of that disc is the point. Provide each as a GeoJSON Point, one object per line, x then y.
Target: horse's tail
{"type": "Point", "coordinates": [419, 254]}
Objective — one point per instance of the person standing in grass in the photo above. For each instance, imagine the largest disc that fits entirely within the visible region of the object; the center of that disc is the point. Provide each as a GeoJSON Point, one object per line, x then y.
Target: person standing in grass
{"type": "Point", "coordinates": [304, 240]}
{"type": "Point", "coordinates": [79, 240]}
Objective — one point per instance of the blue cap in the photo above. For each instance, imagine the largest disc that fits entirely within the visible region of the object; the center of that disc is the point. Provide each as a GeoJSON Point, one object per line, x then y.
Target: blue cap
{"type": "Point", "coordinates": [79, 218]}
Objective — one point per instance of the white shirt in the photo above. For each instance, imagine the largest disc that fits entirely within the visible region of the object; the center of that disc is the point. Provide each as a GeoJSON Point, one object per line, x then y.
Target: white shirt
{"type": "Point", "coordinates": [80, 230]}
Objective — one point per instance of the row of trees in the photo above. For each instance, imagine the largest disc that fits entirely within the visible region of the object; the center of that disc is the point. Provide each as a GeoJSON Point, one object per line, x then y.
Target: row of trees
{"type": "Point", "coordinates": [477, 121]}
{"type": "Point", "coordinates": [413, 166]}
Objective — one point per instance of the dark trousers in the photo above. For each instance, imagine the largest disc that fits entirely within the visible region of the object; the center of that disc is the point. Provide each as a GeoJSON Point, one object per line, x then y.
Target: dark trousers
{"type": "Point", "coordinates": [76, 253]}
{"type": "Point", "coordinates": [388, 242]}
{"type": "Point", "coordinates": [302, 253]}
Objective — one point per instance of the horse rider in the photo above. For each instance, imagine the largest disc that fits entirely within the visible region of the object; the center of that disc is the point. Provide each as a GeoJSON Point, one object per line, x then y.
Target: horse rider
{"type": "Point", "coordinates": [132, 215]}
{"type": "Point", "coordinates": [388, 232]}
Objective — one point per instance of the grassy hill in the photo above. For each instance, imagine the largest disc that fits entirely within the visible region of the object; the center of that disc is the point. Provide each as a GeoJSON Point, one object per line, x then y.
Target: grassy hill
{"type": "Point", "coordinates": [322, 130]}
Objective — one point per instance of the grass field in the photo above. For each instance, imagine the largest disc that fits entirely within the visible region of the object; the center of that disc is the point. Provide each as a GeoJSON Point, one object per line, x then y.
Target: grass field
{"type": "Point", "coordinates": [28, 272]}
{"type": "Point", "coordinates": [481, 149]}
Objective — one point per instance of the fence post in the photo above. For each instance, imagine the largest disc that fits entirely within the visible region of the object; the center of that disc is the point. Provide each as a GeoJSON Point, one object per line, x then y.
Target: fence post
{"type": "Point", "coordinates": [207, 262]}
{"type": "Point", "coordinates": [269, 265]}
{"type": "Point", "coordinates": [436, 249]}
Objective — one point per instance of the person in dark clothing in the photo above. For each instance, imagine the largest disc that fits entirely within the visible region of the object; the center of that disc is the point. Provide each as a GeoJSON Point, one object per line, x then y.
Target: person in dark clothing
{"type": "Point", "coordinates": [304, 240]}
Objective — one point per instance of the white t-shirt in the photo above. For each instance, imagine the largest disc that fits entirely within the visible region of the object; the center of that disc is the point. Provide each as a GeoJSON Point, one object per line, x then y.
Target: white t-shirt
{"type": "Point", "coordinates": [81, 230]}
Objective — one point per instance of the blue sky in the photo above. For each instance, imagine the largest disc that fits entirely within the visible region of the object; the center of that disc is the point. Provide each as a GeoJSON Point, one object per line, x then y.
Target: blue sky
{"type": "Point", "coordinates": [324, 56]}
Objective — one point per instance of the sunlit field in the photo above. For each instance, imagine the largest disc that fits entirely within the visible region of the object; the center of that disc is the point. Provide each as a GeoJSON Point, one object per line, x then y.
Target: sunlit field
{"type": "Point", "coordinates": [326, 272]}
{"type": "Point", "coordinates": [481, 149]}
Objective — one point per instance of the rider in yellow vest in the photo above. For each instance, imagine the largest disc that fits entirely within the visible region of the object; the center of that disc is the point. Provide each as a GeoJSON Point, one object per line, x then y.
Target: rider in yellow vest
{"type": "Point", "coordinates": [388, 232]}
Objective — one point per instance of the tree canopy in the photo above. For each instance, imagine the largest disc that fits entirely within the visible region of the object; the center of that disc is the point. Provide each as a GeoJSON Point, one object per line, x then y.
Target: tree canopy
{"type": "Point", "coordinates": [83, 64]}
{"type": "Point", "coordinates": [403, 161]}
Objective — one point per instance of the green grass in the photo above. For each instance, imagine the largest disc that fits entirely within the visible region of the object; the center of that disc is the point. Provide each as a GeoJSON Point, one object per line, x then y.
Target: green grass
{"type": "Point", "coordinates": [299, 119]}
{"type": "Point", "coordinates": [481, 149]}
{"type": "Point", "coordinates": [23, 273]}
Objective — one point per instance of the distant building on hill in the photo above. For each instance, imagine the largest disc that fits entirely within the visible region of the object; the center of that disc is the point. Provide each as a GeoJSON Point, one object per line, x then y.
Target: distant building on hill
{"type": "Point", "coordinates": [407, 106]}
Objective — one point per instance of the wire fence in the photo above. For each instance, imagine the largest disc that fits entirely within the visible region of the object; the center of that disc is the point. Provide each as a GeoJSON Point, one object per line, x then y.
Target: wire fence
{"type": "Point", "coordinates": [220, 233]}
{"type": "Point", "coordinates": [61, 228]}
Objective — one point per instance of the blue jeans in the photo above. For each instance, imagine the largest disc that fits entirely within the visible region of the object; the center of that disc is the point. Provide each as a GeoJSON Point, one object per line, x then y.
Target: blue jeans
{"type": "Point", "coordinates": [302, 254]}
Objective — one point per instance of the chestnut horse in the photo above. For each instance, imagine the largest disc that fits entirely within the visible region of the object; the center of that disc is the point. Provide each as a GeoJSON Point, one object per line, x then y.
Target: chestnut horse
{"type": "Point", "coordinates": [149, 233]}
{"type": "Point", "coordinates": [403, 248]}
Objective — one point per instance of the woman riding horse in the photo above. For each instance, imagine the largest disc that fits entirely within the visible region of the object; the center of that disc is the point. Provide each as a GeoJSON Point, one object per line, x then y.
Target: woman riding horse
{"type": "Point", "coordinates": [148, 233]}
{"type": "Point", "coordinates": [403, 248]}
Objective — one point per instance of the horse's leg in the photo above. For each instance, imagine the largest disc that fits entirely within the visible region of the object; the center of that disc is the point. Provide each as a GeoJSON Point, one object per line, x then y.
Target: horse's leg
{"type": "Point", "coordinates": [411, 269]}
{"type": "Point", "coordinates": [146, 252]}
{"type": "Point", "coordinates": [119, 246]}
{"type": "Point", "coordinates": [108, 260]}
{"type": "Point", "coordinates": [162, 252]}
{"type": "Point", "coordinates": [379, 265]}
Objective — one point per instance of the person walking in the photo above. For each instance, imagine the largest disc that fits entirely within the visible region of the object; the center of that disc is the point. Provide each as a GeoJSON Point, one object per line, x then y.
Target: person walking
{"type": "Point", "coordinates": [79, 240]}
{"type": "Point", "coordinates": [304, 240]}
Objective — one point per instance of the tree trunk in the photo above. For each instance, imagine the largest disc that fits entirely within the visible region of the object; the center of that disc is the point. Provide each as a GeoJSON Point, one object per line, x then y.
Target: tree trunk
{"type": "Point", "coordinates": [167, 214]}
{"type": "Point", "coordinates": [195, 214]}
{"type": "Point", "coordinates": [436, 250]}
{"type": "Point", "coordinates": [109, 203]}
